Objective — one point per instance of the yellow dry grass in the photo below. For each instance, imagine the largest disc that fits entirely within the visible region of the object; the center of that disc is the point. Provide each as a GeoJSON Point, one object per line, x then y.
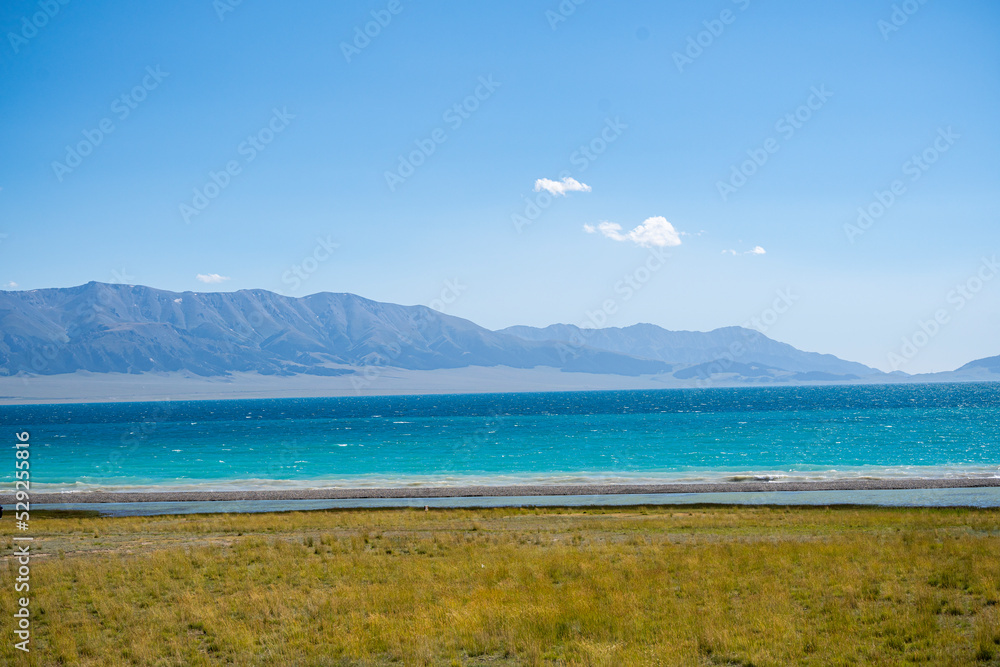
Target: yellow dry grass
{"type": "Point", "coordinates": [613, 586]}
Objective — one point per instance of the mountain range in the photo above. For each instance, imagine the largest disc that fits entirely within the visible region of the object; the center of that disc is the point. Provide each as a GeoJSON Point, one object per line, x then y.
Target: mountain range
{"type": "Point", "coordinates": [132, 329]}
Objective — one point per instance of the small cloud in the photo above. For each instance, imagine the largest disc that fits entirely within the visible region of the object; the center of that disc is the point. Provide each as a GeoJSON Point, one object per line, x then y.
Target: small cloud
{"type": "Point", "coordinates": [212, 278]}
{"type": "Point", "coordinates": [653, 232]}
{"type": "Point", "coordinates": [11, 285]}
{"type": "Point", "coordinates": [757, 250]}
{"type": "Point", "coordinates": [561, 187]}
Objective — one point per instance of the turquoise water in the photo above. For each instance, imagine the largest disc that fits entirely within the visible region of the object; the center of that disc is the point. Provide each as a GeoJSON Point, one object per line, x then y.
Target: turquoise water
{"type": "Point", "coordinates": [788, 433]}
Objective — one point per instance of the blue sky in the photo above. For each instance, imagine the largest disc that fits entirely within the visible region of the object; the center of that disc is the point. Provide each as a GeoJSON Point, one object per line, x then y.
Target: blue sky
{"type": "Point", "coordinates": [207, 88]}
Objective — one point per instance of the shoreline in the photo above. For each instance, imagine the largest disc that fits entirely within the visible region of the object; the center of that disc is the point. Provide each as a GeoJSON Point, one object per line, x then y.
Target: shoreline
{"type": "Point", "coordinates": [83, 387]}
{"type": "Point", "coordinates": [521, 490]}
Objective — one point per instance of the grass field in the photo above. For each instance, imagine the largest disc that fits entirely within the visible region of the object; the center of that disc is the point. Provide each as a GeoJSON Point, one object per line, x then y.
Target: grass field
{"type": "Point", "coordinates": [614, 586]}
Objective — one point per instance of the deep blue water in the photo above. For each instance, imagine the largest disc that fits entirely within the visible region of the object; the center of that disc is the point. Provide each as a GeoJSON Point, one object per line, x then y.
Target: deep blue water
{"type": "Point", "coordinates": [667, 435]}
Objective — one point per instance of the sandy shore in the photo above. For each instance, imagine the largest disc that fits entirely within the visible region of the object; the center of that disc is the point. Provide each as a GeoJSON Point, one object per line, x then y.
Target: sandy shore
{"type": "Point", "coordinates": [504, 491]}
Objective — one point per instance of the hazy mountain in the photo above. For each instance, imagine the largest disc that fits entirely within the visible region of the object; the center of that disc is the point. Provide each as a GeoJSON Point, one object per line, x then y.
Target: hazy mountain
{"type": "Point", "coordinates": [104, 328]}
{"type": "Point", "coordinates": [991, 364]}
{"type": "Point", "coordinates": [728, 350]}
{"type": "Point", "coordinates": [131, 329]}
{"type": "Point", "coordinates": [980, 370]}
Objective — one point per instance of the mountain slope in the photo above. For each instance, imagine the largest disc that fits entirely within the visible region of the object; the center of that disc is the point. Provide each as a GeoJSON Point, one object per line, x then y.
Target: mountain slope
{"type": "Point", "coordinates": [990, 364]}
{"type": "Point", "coordinates": [131, 329]}
{"type": "Point", "coordinates": [730, 349]}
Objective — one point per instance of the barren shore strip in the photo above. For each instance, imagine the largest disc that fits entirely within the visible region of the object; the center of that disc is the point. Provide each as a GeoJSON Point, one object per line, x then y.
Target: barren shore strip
{"type": "Point", "coordinates": [504, 491]}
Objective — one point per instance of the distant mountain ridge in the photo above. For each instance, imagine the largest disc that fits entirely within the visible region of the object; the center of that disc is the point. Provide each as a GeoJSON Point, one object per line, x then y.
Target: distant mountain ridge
{"type": "Point", "coordinates": [737, 345]}
{"type": "Point", "coordinates": [991, 364]}
{"type": "Point", "coordinates": [102, 328]}
{"type": "Point", "coordinates": [132, 329]}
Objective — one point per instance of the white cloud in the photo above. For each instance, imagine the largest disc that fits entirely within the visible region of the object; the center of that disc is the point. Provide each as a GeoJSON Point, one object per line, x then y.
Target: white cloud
{"type": "Point", "coordinates": [11, 285]}
{"type": "Point", "coordinates": [757, 250]}
{"type": "Point", "coordinates": [653, 232]}
{"type": "Point", "coordinates": [561, 187]}
{"type": "Point", "coordinates": [212, 278]}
